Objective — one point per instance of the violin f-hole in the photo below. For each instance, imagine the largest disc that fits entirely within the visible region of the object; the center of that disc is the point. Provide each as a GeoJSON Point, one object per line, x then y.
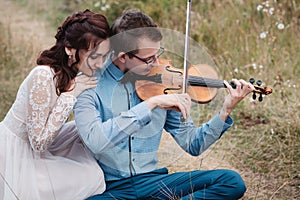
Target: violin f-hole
{"type": "Point", "coordinates": [174, 71]}
{"type": "Point", "coordinates": [170, 89]}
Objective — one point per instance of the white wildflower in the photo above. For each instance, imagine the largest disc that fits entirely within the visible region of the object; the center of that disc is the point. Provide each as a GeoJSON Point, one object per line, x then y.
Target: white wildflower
{"type": "Point", "coordinates": [236, 70]}
{"type": "Point", "coordinates": [263, 35]}
{"type": "Point", "coordinates": [259, 7]}
{"type": "Point", "coordinates": [97, 4]}
{"type": "Point", "coordinates": [106, 7]}
{"type": "Point", "coordinates": [261, 67]}
{"type": "Point", "coordinates": [280, 26]}
{"type": "Point", "coordinates": [254, 66]}
{"type": "Point", "coordinates": [271, 11]}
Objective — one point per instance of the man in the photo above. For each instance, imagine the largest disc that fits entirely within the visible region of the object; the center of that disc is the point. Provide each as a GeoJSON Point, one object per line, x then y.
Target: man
{"type": "Point", "coordinates": [124, 132]}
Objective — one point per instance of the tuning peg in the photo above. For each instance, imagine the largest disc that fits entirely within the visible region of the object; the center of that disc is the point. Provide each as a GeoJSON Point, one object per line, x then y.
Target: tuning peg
{"type": "Point", "coordinates": [252, 80]}
{"type": "Point", "coordinates": [260, 98]}
{"type": "Point", "coordinates": [254, 96]}
{"type": "Point", "coordinates": [232, 84]}
{"type": "Point", "coordinates": [259, 82]}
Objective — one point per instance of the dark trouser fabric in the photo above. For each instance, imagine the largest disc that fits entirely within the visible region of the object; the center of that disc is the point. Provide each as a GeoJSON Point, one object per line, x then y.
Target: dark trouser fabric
{"type": "Point", "coordinates": [199, 184]}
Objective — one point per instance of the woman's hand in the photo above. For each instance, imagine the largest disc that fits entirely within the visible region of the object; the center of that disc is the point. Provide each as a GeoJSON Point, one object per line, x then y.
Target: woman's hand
{"type": "Point", "coordinates": [242, 89]}
{"type": "Point", "coordinates": [178, 102]}
{"type": "Point", "coordinates": [81, 83]}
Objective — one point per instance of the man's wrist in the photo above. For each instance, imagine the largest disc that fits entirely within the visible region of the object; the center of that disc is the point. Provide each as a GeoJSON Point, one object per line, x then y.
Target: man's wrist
{"type": "Point", "coordinates": [224, 113]}
{"type": "Point", "coordinates": [151, 103]}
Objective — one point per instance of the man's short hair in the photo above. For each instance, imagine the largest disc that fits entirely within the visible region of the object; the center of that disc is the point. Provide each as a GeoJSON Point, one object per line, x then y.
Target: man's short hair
{"type": "Point", "coordinates": [131, 26]}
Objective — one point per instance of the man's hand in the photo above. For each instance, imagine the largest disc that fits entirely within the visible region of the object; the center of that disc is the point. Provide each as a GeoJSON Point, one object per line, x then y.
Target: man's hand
{"type": "Point", "coordinates": [242, 89]}
{"type": "Point", "coordinates": [178, 102]}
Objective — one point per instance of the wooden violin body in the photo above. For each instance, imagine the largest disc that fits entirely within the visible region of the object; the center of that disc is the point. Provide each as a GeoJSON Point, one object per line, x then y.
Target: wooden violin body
{"type": "Point", "coordinates": [202, 82]}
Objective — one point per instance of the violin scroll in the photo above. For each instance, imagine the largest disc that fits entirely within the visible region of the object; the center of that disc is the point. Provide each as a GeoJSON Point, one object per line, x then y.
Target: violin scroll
{"type": "Point", "coordinates": [259, 89]}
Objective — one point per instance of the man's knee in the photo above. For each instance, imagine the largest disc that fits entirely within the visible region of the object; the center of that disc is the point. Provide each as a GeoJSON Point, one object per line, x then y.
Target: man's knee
{"type": "Point", "coordinates": [236, 184]}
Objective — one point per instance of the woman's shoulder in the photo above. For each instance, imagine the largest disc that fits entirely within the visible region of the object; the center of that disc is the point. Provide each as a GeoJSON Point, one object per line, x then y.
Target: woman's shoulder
{"type": "Point", "coordinates": [40, 72]}
{"type": "Point", "coordinates": [42, 69]}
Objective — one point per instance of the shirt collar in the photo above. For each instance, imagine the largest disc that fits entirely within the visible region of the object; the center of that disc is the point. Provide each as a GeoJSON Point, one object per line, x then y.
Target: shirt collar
{"type": "Point", "coordinates": [112, 69]}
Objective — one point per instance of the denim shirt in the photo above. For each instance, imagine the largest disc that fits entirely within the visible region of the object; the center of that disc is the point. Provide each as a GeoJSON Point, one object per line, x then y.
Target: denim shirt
{"type": "Point", "coordinates": [124, 134]}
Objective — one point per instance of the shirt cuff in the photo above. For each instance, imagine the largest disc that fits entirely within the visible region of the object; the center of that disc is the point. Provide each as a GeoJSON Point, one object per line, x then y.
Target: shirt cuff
{"type": "Point", "coordinates": [142, 112]}
{"type": "Point", "coordinates": [217, 123]}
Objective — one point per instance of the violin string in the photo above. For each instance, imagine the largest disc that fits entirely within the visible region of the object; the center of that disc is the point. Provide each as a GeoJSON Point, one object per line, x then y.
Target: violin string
{"type": "Point", "coordinates": [206, 82]}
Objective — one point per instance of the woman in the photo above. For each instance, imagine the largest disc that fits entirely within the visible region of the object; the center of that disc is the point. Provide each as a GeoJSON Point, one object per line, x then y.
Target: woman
{"type": "Point", "coordinates": [42, 156]}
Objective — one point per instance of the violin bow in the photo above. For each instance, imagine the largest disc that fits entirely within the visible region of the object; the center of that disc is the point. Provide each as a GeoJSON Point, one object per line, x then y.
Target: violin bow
{"type": "Point", "coordinates": [186, 47]}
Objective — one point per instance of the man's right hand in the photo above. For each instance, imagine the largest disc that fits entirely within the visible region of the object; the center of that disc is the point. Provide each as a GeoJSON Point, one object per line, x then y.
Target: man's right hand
{"type": "Point", "coordinates": [178, 102]}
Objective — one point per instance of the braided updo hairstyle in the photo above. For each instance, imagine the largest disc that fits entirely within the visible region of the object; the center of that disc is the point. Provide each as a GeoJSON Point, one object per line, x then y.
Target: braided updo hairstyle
{"type": "Point", "coordinates": [80, 31]}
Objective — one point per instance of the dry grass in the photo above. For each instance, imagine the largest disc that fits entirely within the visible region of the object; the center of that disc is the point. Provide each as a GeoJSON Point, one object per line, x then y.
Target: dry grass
{"type": "Point", "coordinates": [22, 37]}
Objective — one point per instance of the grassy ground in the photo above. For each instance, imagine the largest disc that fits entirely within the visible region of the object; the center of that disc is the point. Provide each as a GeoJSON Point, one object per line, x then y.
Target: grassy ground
{"type": "Point", "coordinates": [254, 38]}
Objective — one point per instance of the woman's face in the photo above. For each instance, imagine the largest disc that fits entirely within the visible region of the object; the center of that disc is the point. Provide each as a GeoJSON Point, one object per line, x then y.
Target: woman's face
{"type": "Point", "coordinates": [93, 59]}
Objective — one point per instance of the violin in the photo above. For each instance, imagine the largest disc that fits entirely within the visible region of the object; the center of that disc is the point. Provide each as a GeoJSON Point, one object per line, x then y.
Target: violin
{"type": "Point", "coordinates": [202, 82]}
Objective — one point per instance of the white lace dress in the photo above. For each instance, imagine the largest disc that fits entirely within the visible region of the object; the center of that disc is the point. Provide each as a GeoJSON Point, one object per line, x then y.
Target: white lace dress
{"type": "Point", "coordinates": [41, 156]}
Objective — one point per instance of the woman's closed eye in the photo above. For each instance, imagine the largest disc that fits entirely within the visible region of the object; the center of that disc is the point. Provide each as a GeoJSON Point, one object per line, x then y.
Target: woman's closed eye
{"type": "Point", "coordinates": [95, 56]}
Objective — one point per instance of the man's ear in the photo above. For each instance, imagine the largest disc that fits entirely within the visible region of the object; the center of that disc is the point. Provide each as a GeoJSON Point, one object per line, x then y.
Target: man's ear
{"type": "Point", "coordinates": [121, 57]}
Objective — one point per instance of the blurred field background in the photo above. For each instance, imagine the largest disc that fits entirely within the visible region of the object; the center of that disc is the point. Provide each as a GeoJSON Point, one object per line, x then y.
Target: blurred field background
{"type": "Point", "coordinates": [254, 38]}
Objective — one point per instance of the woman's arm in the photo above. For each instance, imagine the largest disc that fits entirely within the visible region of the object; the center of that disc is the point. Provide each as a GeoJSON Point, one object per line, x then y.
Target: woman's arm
{"type": "Point", "coordinates": [43, 120]}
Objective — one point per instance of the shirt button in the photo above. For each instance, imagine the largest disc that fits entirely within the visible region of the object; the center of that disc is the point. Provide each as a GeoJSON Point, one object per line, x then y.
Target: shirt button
{"type": "Point", "coordinates": [132, 138]}
{"type": "Point", "coordinates": [133, 159]}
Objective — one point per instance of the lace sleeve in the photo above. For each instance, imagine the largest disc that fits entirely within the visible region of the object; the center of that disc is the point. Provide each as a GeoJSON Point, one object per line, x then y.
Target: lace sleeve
{"type": "Point", "coordinates": [44, 120]}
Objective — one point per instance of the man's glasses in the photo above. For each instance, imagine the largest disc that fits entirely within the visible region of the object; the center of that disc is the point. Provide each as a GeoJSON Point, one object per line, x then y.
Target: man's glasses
{"type": "Point", "coordinates": [150, 59]}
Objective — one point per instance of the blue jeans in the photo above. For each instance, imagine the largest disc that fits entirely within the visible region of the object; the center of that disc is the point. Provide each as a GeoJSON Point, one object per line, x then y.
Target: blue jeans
{"type": "Point", "coordinates": [199, 184]}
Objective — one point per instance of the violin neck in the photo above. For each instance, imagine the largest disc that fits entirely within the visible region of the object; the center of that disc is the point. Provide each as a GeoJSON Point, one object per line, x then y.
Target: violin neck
{"type": "Point", "coordinates": [192, 80]}
{"type": "Point", "coordinates": [132, 77]}
{"type": "Point", "coordinates": [205, 82]}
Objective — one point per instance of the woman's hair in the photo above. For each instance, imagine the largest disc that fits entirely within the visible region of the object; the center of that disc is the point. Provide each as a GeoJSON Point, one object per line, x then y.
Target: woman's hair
{"type": "Point", "coordinates": [131, 26]}
{"type": "Point", "coordinates": [81, 31]}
